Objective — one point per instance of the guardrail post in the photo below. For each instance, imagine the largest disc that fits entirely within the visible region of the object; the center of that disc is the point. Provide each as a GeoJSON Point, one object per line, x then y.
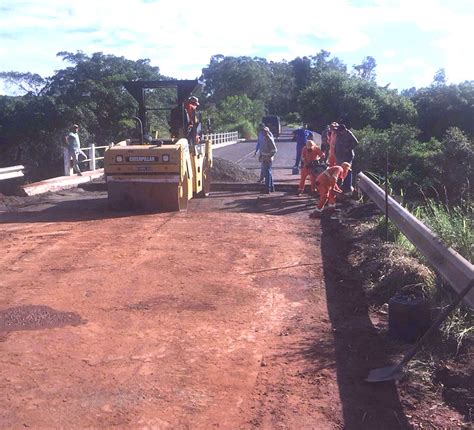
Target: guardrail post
{"type": "Point", "coordinates": [92, 157]}
{"type": "Point", "coordinates": [67, 162]}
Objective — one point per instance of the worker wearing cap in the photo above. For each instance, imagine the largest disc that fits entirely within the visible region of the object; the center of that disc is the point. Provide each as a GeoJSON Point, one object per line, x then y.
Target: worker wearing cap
{"type": "Point", "coordinates": [192, 120]}
{"type": "Point", "coordinates": [327, 187]}
{"type": "Point", "coordinates": [260, 142]}
{"type": "Point", "coordinates": [309, 154]}
{"type": "Point", "coordinates": [344, 153]}
{"type": "Point", "coordinates": [267, 152]}
{"type": "Point", "coordinates": [73, 144]}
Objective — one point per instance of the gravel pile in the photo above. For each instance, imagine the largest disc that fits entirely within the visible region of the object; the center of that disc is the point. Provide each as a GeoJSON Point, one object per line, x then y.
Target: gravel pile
{"type": "Point", "coordinates": [226, 171]}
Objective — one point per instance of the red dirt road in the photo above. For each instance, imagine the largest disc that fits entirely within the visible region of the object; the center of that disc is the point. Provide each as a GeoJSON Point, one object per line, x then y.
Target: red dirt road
{"type": "Point", "coordinates": [241, 313]}
{"type": "Point", "coordinates": [186, 320]}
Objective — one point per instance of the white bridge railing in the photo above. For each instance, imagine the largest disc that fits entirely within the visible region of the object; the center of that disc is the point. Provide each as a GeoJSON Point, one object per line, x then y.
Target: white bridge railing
{"type": "Point", "coordinates": [216, 138]}
{"type": "Point", "coordinates": [226, 137]}
{"type": "Point", "coordinates": [92, 159]}
{"type": "Point", "coordinates": [11, 172]}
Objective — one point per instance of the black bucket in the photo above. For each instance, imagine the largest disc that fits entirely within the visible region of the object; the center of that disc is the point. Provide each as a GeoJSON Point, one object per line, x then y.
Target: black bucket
{"type": "Point", "coordinates": [409, 316]}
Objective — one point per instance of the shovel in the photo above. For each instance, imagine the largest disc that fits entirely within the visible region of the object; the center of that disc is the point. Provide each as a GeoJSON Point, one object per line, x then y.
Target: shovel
{"type": "Point", "coordinates": [393, 373]}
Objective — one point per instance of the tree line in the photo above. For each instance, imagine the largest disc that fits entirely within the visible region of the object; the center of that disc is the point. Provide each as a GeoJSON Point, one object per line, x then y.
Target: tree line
{"type": "Point", "coordinates": [427, 132]}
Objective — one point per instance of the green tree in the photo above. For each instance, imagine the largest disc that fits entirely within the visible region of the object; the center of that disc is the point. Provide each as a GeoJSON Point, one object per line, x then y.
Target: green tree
{"type": "Point", "coordinates": [439, 78]}
{"type": "Point", "coordinates": [89, 92]}
{"type": "Point", "coordinates": [26, 83]}
{"type": "Point", "coordinates": [394, 109]}
{"type": "Point", "coordinates": [442, 106]}
{"type": "Point", "coordinates": [321, 62]}
{"type": "Point", "coordinates": [453, 166]}
{"type": "Point", "coordinates": [301, 72]}
{"type": "Point", "coordinates": [237, 76]}
{"type": "Point", "coordinates": [337, 96]}
{"type": "Point", "coordinates": [237, 113]}
{"type": "Point", "coordinates": [410, 161]}
{"type": "Point", "coordinates": [283, 89]}
{"type": "Point", "coordinates": [366, 70]}
{"type": "Point", "coordinates": [92, 92]}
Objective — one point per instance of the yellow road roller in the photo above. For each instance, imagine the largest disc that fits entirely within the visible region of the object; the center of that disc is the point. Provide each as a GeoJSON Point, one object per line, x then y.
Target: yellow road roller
{"type": "Point", "coordinates": [166, 162]}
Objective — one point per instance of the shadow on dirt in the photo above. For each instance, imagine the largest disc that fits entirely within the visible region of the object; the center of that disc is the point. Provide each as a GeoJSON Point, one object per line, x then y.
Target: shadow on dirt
{"type": "Point", "coordinates": [71, 209]}
{"type": "Point", "coordinates": [83, 209]}
{"type": "Point", "coordinates": [359, 348]}
{"type": "Point", "coordinates": [457, 389]}
{"type": "Point", "coordinates": [272, 204]}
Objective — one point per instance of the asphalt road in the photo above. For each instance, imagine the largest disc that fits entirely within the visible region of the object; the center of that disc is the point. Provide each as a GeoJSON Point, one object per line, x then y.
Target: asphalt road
{"type": "Point", "coordinates": [243, 154]}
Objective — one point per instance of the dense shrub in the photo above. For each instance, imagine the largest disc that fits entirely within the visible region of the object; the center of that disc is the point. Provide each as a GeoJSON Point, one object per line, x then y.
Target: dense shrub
{"type": "Point", "coordinates": [441, 169]}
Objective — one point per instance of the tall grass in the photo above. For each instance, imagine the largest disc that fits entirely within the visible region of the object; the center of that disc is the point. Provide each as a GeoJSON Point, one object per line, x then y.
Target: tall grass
{"type": "Point", "coordinates": [454, 226]}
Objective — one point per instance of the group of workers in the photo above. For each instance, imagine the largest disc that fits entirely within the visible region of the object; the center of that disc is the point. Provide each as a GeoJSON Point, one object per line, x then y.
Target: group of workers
{"type": "Point", "coordinates": [327, 163]}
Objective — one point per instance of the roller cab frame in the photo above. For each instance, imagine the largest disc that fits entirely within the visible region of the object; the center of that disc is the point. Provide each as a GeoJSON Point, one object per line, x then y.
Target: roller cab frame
{"type": "Point", "coordinates": [160, 173]}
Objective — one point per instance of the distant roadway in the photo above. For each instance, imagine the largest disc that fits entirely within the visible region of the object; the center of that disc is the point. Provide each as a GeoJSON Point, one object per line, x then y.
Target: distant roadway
{"type": "Point", "coordinates": [243, 154]}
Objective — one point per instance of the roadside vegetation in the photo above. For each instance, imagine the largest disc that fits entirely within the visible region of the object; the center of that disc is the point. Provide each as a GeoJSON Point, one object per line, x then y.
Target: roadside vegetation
{"type": "Point", "coordinates": [443, 368]}
{"type": "Point", "coordinates": [455, 227]}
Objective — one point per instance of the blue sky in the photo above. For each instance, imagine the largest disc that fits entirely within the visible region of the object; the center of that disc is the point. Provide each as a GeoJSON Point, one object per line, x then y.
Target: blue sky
{"type": "Point", "coordinates": [409, 39]}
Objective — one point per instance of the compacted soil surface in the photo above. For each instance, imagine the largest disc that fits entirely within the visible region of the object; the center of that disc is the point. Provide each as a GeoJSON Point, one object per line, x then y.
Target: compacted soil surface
{"type": "Point", "coordinates": [231, 315]}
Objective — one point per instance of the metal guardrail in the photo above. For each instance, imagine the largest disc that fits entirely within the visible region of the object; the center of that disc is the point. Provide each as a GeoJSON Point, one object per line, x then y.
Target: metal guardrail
{"type": "Point", "coordinates": [457, 271]}
{"type": "Point", "coordinates": [11, 172]}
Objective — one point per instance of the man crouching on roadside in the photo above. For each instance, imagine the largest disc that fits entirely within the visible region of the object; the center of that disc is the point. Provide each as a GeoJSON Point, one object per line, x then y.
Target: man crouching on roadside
{"type": "Point", "coordinates": [327, 187]}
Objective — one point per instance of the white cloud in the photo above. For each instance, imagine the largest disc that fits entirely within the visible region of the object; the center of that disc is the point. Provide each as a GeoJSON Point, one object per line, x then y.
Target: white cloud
{"type": "Point", "coordinates": [389, 53]}
{"type": "Point", "coordinates": [420, 71]}
{"type": "Point", "coordinates": [180, 37]}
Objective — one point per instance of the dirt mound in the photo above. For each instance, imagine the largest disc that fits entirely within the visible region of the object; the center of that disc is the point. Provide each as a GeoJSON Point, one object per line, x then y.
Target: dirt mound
{"type": "Point", "coordinates": [389, 269]}
{"type": "Point", "coordinates": [8, 202]}
{"type": "Point", "coordinates": [386, 267]}
{"type": "Point", "coordinates": [226, 171]}
{"type": "Point", "coordinates": [13, 203]}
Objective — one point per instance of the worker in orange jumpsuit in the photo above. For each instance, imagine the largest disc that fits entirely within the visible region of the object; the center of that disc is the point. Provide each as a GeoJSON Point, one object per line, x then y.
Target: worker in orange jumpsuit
{"type": "Point", "coordinates": [333, 127]}
{"type": "Point", "coordinates": [327, 187]}
{"type": "Point", "coordinates": [309, 154]}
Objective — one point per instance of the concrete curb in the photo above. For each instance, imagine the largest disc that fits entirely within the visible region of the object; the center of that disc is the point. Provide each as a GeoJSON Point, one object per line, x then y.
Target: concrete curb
{"type": "Point", "coordinates": [60, 183]}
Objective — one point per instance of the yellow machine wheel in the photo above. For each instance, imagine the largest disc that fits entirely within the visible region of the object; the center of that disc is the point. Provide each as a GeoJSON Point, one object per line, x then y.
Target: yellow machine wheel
{"type": "Point", "coordinates": [160, 197]}
{"type": "Point", "coordinates": [174, 198]}
{"type": "Point", "coordinates": [206, 178]}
